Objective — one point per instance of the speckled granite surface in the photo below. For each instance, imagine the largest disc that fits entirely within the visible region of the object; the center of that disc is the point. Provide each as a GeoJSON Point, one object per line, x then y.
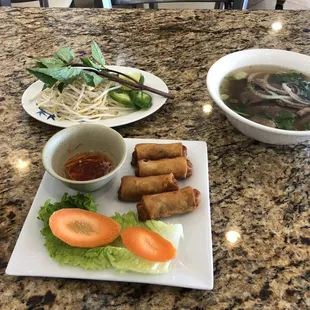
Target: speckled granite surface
{"type": "Point", "coordinates": [260, 191]}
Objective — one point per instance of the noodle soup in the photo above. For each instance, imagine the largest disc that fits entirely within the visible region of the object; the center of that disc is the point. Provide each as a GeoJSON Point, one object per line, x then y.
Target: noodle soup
{"type": "Point", "coordinates": [272, 96]}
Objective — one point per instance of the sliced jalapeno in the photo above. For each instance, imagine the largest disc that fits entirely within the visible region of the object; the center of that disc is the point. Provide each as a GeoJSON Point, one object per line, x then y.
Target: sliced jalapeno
{"type": "Point", "coordinates": [141, 99]}
{"type": "Point", "coordinates": [122, 97]}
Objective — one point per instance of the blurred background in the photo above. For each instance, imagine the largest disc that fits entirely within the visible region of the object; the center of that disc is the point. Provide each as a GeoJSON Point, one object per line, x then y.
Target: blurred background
{"type": "Point", "coordinates": [253, 4]}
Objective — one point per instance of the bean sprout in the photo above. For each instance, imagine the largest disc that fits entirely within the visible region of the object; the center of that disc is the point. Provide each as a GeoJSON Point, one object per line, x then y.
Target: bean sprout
{"type": "Point", "coordinates": [79, 102]}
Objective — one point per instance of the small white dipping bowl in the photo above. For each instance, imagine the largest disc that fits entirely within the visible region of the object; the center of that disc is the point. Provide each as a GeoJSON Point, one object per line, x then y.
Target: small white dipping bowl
{"type": "Point", "coordinates": [80, 139]}
{"type": "Point", "coordinates": [252, 57]}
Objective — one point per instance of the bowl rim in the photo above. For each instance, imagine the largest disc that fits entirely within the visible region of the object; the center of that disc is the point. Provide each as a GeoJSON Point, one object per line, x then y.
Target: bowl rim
{"type": "Point", "coordinates": [73, 128]}
{"type": "Point", "coordinates": [213, 92]}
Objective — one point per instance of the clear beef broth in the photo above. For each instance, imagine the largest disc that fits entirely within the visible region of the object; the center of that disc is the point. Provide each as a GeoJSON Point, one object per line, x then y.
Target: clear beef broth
{"type": "Point", "coordinates": [269, 95]}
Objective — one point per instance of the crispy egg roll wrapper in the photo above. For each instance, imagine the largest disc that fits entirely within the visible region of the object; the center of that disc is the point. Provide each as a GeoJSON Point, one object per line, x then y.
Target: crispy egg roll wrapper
{"type": "Point", "coordinates": [133, 188]}
{"type": "Point", "coordinates": [154, 151]}
{"type": "Point", "coordinates": [168, 204]}
{"type": "Point", "coordinates": [181, 167]}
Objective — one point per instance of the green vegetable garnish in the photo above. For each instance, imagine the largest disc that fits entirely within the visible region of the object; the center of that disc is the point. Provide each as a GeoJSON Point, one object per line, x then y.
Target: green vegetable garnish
{"type": "Point", "coordinates": [285, 120]}
{"type": "Point", "coordinates": [141, 99]}
{"type": "Point", "coordinates": [113, 255]}
{"type": "Point", "coordinates": [123, 97]}
{"type": "Point", "coordinates": [97, 54]}
{"type": "Point", "coordinates": [136, 76]}
{"type": "Point", "coordinates": [299, 79]}
{"type": "Point", "coordinates": [307, 127]}
{"type": "Point", "coordinates": [242, 114]}
{"type": "Point", "coordinates": [65, 54]}
{"type": "Point", "coordinates": [91, 78]}
{"type": "Point", "coordinates": [224, 97]}
{"type": "Point", "coordinates": [241, 111]}
{"type": "Point", "coordinates": [237, 76]}
{"type": "Point", "coordinates": [62, 69]}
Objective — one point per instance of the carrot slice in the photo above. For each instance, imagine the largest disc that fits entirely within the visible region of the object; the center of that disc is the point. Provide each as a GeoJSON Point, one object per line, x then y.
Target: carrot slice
{"type": "Point", "coordinates": [148, 244]}
{"type": "Point", "coordinates": [84, 229]}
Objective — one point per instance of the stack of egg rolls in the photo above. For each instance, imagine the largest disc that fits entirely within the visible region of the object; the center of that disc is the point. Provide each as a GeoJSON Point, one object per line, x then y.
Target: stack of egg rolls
{"type": "Point", "coordinates": [155, 185]}
{"type": "Point", "coordinates": [156, 159]}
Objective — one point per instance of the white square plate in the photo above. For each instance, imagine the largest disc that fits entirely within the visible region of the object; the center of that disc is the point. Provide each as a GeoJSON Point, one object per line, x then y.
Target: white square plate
{"type": "Point", "coordinates": [193, 267]}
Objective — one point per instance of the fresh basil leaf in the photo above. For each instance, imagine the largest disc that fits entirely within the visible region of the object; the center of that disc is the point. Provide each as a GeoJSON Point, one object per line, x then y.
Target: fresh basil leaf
{"type": "Point", "coordinates": [40, 65]}
{"type": "Point", "coordinates": [65, 54]}
{"type": "Point", "coordinates": [96, 53]}
{"type": "Point", "coordinates": [91, 78]}
{"type": "Point", "coordinates": [51, 62]}
{"type": "Point", "coordinates": [61, 86]}
{"type": "Point", "coordinates": [89, 63]}
{"type": "Point", "coordinates": [63, 74]}
{"type": "Point", "coordinates": [42, 76]}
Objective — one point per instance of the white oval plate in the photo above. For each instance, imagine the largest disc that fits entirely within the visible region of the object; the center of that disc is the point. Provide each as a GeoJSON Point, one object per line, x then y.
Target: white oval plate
{"type": "Point", "coordinates": [43, 116]}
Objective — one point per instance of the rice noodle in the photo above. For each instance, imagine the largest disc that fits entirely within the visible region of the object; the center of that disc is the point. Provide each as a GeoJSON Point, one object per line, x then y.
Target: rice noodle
{"type": "Point", "coordinates": [79, 102]}
{"type": "Point", "coordinates": [293, 95]}
{"type": "Point", "coordinates": [253, 76]}
{"type": "Point", "coordinates": [290, 103]}
{"type": "Point", "coordinates": [264, 96]}
{"type": "Point", "coordinates": [270, 87]}
{"type": "Point", "coordinates": [274, 93]}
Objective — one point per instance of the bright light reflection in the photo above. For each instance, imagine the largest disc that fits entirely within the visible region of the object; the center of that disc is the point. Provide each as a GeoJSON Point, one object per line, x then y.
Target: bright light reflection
{"type": "Point", "coordinates": [207, 108]}
{"type": "Point", "coordinates": [19, 160]}
{"type": "Point", "coordinates": [276, 26]}
{"type": "Point", "coordinates": [232, 236]}
{"type": "Point", "coordinates": [22, 164]}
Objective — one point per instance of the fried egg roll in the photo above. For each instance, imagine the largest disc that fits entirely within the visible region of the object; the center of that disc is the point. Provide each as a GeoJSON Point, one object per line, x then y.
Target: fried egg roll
{"type": "Point", "coordinates": [181, 167]}
{"type": "Point", "coordinates": [154, 151]}
{"type": "Point", "coordinates": [167, 204]}
{"type": "Point", "coordinates": [133, 188]}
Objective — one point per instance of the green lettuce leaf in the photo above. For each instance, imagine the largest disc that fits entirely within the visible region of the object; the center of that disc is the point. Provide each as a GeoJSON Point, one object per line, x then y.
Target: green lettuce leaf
{"type": "Point", "coordinates": [64, 254]}
{"type": "Point", "coordinates": [128, 219]}
{"type": "Point", "coordinates": [113, 255]}
{"type": "Point", "coordinates": [81, 201]}
{"type": "Point", "coordinates": [124, 260]}
{"type": "Point", "coordinates": [171, 232]}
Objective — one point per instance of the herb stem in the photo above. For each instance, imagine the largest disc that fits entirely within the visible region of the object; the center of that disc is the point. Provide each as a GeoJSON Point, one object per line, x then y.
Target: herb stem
{"type": "Point", "coordinates": [134, 84]}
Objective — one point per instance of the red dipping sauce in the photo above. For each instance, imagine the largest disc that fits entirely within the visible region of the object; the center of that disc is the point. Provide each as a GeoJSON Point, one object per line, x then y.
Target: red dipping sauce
{"type": "Point", "coordinates": [88, 166]}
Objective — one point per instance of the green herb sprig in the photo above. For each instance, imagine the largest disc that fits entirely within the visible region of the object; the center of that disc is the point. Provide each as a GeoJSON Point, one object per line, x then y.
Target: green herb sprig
{"type": "Point", "coordinates": [285, 120]}
{"type": "Point", "coordinates": [296, 78]}
{"type": "Point", "coordinates": [61, 68]}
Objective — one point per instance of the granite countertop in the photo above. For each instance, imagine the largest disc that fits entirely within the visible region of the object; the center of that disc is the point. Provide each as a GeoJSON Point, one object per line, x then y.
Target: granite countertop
{"type": "Point", "coordinates": [258, 190]}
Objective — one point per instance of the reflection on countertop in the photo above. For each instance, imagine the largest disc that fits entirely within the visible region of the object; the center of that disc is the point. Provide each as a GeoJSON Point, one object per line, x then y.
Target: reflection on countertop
{"type": "Point", "coordinates": [276, 26]}
{"type": "Point", "coordinates": [259, 193]}
{"type": "Point", "coordinates": [20, 161]}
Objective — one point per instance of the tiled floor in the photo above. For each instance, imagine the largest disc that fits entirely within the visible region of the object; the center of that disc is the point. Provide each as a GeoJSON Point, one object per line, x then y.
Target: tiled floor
{"type": "Point", "coordinates": [253, 4]}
